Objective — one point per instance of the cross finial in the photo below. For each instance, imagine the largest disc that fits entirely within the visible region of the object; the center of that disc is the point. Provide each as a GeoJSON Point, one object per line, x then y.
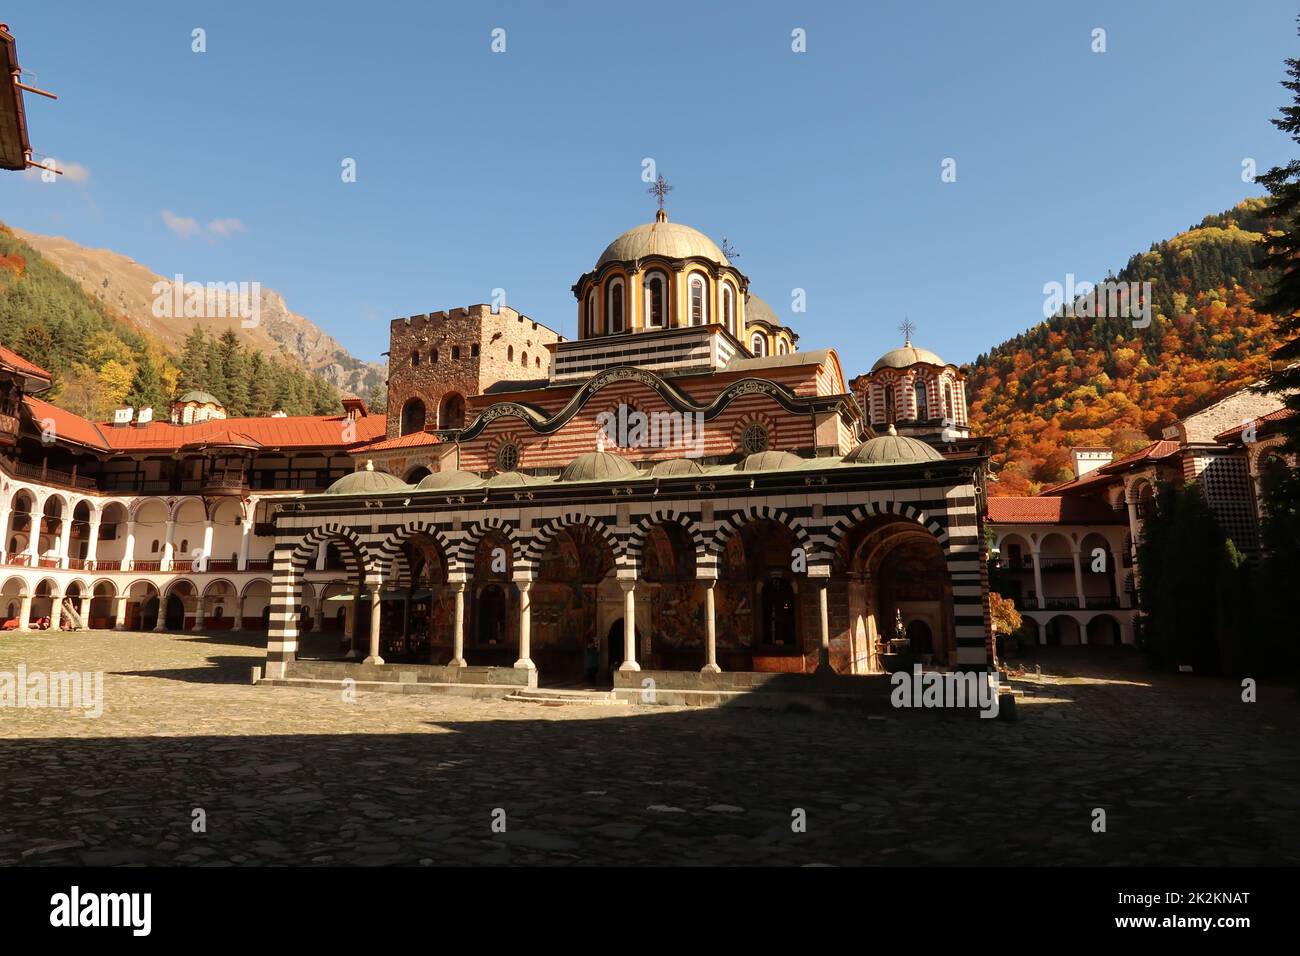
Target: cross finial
{"type": "Point", "coordinates": [661, 189]}
{"type": "Point", "coordinates": [728, 249]}
{"type": "Point", "coordinates": [907, 328]}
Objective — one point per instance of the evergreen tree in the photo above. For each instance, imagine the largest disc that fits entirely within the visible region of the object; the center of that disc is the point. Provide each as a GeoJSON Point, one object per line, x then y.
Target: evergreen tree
{"type": "Point", "coordinates": [1283, 298]}
{"type": "Point", "coordinates": [146, 385]}
{"type": "Point", "coordinates": [193, 364]}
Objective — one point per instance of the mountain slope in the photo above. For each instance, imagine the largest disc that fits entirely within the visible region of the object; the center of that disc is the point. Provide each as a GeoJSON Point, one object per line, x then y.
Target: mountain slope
{"type": "Point", "coordinates": [126, 287]}
{"type": "Point", "coordinates": [1080, 381]}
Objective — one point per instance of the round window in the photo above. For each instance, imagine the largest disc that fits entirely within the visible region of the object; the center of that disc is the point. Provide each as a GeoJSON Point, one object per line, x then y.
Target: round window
{"type": "Point", "coordinates": [507, 456]}
{"type": "Point", "coordinates": [754, 439]}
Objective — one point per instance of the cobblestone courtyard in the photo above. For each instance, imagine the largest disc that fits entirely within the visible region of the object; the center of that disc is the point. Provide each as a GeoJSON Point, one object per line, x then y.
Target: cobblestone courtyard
{"type": "Point", "coordinates": [1185, 771]}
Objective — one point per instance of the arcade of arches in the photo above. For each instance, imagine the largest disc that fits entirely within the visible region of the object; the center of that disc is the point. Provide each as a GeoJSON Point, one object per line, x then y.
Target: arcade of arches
{"type": "Point", "coordinates": [765, 608]}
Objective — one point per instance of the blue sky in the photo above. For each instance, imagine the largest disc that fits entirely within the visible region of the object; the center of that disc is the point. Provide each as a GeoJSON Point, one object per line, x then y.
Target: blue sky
{"type": "Point", "coordinates": [478, 170]}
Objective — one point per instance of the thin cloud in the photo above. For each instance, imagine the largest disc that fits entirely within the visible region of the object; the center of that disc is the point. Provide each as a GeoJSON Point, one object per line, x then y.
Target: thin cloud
{"type": "Point", "coordinates": [225, 228]}
{"type": "Point", "coordinates": [72, 172]}
{"type": "Point", "coordinates": [183, 226]}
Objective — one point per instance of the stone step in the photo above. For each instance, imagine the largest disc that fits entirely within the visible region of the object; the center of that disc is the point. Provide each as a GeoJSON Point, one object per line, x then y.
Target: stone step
{"type": "Point", "coordinates": [556, 696]}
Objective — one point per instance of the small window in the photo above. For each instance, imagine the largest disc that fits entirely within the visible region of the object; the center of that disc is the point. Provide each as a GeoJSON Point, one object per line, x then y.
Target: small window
{"type": "Point", "coordinates": [507, 456]}
{"type": "Point", "coordinates": [523, 359]}
{"type": "Point", "coordinates": [922, 405]}
{"type": "Point", "coordinates": [615, 306]}
{"type": "Point", "coordinates": [510, 353]}
{"type": "Point", "coordinates": [782, 348]}
{"type": "Point", "coordinates": [655, 286]}
{"type": "Point", "coordinates": [758, 344]}
{"type": "Point", "coordinates": [473, 350]}
{"type": "Point", "coordinates": [433, 356]}
{"type": "Point", "coordinates": [699, 300]}
{"type": "Point", "coordinates": [947, 401]}
{"type": "Point", "coordinates": [154, 547]}
{"type": "Point", "coordinates": [729, 307]}
{"type": "Point", "coordinates": [455, 353]}
{"type": "Point", "coordinates": [185, 545]}
{"type": "Point", "coordinates": [415, 359]}
{"type": "Point", "coordinates": [592, 330]}
{"type": "Point", "coordinates": [538, 361]}
{"type": "Point", "coordinates": [754, 439]}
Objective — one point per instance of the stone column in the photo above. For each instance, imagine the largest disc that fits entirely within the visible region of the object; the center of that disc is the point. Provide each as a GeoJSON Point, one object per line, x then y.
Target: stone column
{"type": "Point", "coordinates": [374, 657]}
{"type": "Point", "coordinates": [119, 615]}
{"type": "Point", "coordinates": [239, 613]}
{"type": "Point", "coordinates": [824, 624]}
{"type": "Point", "coordinates": [92, 540]}
{"type": "Point", "coordinates": [161, 623]}
{"type": "Point", "coordinates": [34, 545]}
{"type": "Point", "coordinates": [25, 614]}
{"type": "Point", "coordinates": [128, 556]}
{"type": "Point", "coordinates": [1078, 581]}
{"type": "Point", "coordinates": [458, 631]}
{"type": "Point", "coordinates": [56, 609]}
{"type": "Point", "coordinates": [207, 543]}
{"type": "Point", "coordinates": [320, 557]}
{"type": "Point", "coordinates": [65, 538]}
{"type": "Point", "coordinates": [83, 608]}
{"type": "Point", "coordinates": [168, 546]}
{"type": "Point", "coordinates": [1038, 581]}
{"type": "Point", "coordinates": [245, 532]}
{"type": "Point", "coordinates": [525, 661]}
{"type": "Point", "coordinates": [351, 623]}
{"type": "Point", "coordinates": [629, 626]}
{"type": "Point", "coordinates": [710, 629]}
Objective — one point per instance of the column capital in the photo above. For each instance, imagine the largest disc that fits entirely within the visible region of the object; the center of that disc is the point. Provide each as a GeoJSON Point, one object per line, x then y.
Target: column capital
{"type": "Point", "coordinates": [627, 584]}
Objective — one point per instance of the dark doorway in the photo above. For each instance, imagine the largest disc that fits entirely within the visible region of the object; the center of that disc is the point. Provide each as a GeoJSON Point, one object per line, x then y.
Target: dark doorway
{"type": "Point", "coordinates": [778, 613]}
{"type": "Point", "coordinates": [149, 614]}
{"type": "Point", "coordinates": [614, 641]}
{"type": "Point", "coordinates": [175, 619]}
{"type": "Point", "coordinates": [918, 632]}
{"type": "Point", "coordinates": [492, 616]}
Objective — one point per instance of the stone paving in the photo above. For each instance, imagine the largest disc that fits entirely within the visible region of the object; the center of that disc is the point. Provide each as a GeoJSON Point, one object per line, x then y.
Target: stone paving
{"type": "Point", "coordinates": [1186, 772]}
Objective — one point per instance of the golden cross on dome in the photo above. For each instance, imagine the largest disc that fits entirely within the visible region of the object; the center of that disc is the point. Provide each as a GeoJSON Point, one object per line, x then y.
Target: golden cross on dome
{"type": "Point", "coordinates": [907, 328]}
{"type": "Point", "coordinates": [661, 189]}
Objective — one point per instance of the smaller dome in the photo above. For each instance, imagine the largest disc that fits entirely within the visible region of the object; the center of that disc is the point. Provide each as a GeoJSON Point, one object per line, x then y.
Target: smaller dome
{"type": "Point", "coordinates": [771, 461]}
{"type": "Point", "coordinates": [676, 468]}
{"type": "Point", "coordinates": [508, 479]}
{"type": "Point", "coordinates": [892, 450]}
{"type": "Point", "coordinates": [599, 466]}
{"type": "Point", "coordinates": [448, 480]}
{"type": "Point", "coordinates": [367, 481]}
{"type": "Point", "coordinates": [757, 310]}
{"type": "Point", "coordinates": [909, 354]}
{"type": "Point", "coordinates": [202, 398]}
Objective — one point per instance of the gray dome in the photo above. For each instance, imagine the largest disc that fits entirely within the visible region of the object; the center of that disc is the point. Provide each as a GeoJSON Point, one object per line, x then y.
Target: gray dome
{"type": "Point", "coordinates": [756, 310]}
{"type": "Point", "coordinates": [508, 479]}
{"type": "Point", "coordinates": [448, 481]}
{"type": "Point", "coordinates": [892, 450]}
{"type": "Point", "coordinates": [367, 481]}
{"type": "Point", "coordinates": [671, 240]}
{"type": "Point", "coordinates": [202, 398]}
{"type": "Point", "coordinates": [906, 356]}
{"type": "Point", "coordinates": [771, 461]}
{"type": "Point", "coordinates": [676, 468]}
{"type": "Point", "coordinates": [599, 466]}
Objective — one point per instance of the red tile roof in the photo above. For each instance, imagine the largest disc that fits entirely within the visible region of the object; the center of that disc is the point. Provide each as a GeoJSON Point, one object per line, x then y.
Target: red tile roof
{"type": "Point", "coordinates": [413, 440]}
{"type": "Point", "coordinates": [1052, 509]}
{"type": "Point", "coordinates": [1153, 452]}
{"type": "Point", "coordinates": [302, 431]}
{"type": "Point", "coordinates": [1233, 435]}
{"type": "Point", "coordinates": [19, 364]}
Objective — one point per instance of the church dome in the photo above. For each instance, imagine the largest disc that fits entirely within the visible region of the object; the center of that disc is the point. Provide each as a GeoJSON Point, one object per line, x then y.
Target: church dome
{"type": "Point", "coordinates": [599, 466]}
{"type": "Point", "coordinates": [508, 479]}
{"type": "Point", "coordinates": [907, 355]}
{"type": "Point", "coordinates": [676, 468]}
{"type": "Point", "coordinates": [198, 397]}
{"type": "Point", "coordinates": [661, 238]}
{"type": "Point", "coordinates": [367, 481]}
{"type": "Point", "coordinates": [771, 461]}
{"type": "Point", "coordinates": [756, 310]}
{"type": "Point", "coordinates": [448, 481]}
{"type": "Point", "coordinates": [892, 450]}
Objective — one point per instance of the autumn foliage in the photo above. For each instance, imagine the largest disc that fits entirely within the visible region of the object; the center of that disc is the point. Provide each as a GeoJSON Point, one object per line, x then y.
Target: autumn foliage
{"type": "Point", "coordinates": [1077, 381]}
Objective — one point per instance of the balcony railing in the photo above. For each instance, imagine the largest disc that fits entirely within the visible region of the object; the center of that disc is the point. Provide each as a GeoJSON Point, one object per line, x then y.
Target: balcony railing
{"type": "Point", "coordinates": [51, 476]}
{"type": "Point", "coordinates": [260, 564]}
{"type": "Point", "coordinates": [1061, 604]}
{"type": "Point", "coordinates": [1055, 563]}
{"type": "Point", "coordinates": [1103, 603]}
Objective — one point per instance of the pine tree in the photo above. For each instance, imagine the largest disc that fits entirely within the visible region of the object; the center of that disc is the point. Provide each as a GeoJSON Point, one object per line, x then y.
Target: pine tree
{"type": "Point", "coordinates": [146, 385]}
{"type": "Point", "coordinates": [193, 364]}
{"type": "Point", "coordinates": [1283, 299]}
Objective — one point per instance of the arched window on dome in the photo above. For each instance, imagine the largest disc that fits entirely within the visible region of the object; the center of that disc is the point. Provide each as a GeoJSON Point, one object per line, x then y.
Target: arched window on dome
{"type": "Point", "coordinates": [614, 308]}
{"type": "Point", "coordinates": [922, 405]}
{"type": "Point", "coordinates": [948, 411]}
{"type": "Point", "coordinates": [699, 293]}
{"type": "Point", "coordinates": [782, 346]}
{"type": "Point", "coordinates": [656, 300]}
{"type": "Point", "coordinates": [889, 403]}
{"type": "Point", "coordinates": [592, 329]}
{"type": "Point", "coordinates": [729, 307]}
{"type": "Point", "coordinates": [758, 345]}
